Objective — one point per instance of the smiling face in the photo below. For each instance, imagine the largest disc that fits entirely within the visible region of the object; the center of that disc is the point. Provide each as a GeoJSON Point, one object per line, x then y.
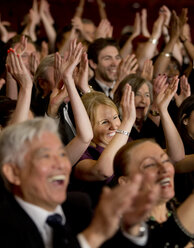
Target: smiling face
{"type": "Point", "coordinates": [108, 61]}
{"type": "Point", "coordinates": [106, 123]}
{"type": "Point", "coordinates": [148, 158]}
{"type": "Point", "coordinates": [142, 101]}
{"type": "Point", "coordinates": [43, 179]}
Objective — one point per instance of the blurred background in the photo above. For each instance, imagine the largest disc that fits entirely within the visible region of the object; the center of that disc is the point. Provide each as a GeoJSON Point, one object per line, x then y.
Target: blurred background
{"type": "Point", "coordinates": [120, 12]}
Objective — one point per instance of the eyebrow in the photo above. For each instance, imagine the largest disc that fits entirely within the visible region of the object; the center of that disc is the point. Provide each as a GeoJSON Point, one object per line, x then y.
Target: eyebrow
{"type": "Point", "coordinates": [46, 149]}
{"type": "Point", "coordinates": [106, 119]}
{"type": "Point", "coordinates": [151, 157]}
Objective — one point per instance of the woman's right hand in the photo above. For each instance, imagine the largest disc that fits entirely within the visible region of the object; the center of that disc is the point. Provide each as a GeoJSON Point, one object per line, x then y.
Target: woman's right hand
{"type": "Point", "coordinates": [128, 105]}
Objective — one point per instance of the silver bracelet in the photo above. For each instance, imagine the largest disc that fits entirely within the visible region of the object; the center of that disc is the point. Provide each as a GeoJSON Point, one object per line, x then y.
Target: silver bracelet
{"type": "Point", "coordinates": [122, 132]}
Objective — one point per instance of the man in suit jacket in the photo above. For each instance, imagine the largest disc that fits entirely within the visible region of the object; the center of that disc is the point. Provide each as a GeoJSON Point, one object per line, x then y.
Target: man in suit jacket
{"type": "Point", "coordinates": [35, 168]}
{"type": "Point", "coordinates": [104, 59]}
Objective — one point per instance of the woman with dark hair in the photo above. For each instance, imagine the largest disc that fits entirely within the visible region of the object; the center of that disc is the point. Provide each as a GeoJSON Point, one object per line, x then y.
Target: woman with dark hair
{"type": "Point", "coordinates": [168, 227]}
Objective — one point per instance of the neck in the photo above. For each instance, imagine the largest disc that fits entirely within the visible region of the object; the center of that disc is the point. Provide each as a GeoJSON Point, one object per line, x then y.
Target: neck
{"type": "Point", "coordinates": [108, 84]}
{"type": "Point", "coordinates": [138, 124]}
{"type": "Point", "coordinates": [160, 213]}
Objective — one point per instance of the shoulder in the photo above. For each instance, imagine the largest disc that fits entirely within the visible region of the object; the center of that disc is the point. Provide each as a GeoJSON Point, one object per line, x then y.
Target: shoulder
{"type": "Point", "coordinates": [17, 227]}
{"type": "Point", "coordinates": [95, 85]}
{"type": "Point", "coordinates": [78, 211]}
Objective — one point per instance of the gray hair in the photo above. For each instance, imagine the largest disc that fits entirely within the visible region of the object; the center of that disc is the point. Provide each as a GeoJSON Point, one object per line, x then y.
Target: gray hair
{"type": "Point", "coordinates": [15, 139]}
{"type": "Point", "coordinates": [136, 82]}
{"type": "Point", "coordinates": [41, 72]}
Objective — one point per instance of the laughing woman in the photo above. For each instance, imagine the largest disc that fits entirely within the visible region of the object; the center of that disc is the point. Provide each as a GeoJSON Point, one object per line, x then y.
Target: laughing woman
{"type": "Point", "coordinates": [168, 226]}
{"type": "Point", "coordinates": [95, 167]}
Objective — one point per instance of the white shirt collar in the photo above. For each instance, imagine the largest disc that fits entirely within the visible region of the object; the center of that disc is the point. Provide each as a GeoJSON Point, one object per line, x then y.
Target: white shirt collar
{"type": "Point", "coordinates": [39, 217]}
{"type": "Point", "coordinates": [105, 87]}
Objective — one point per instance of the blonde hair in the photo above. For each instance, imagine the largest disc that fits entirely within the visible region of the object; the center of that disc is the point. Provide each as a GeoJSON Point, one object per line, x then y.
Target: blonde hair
{"type": "Point", "coordinates": [92, 100]}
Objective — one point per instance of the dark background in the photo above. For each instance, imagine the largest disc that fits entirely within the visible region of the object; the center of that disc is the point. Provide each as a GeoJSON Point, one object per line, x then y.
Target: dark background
{"type": "Point", "coordinates": [120, 12]}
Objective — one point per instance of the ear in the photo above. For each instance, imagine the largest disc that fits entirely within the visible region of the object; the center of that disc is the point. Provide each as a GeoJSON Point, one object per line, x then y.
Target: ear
{"type": "Point", "coordinates": [92, 64]}
{"type": "Point", "coordinates": [123, 180]}
{"type": "Point", "coordinates": [11, 172]}
{"type": "Point", "coordinates": [43, 84]}
{"type": "Point", "coordinates": [185, 121]}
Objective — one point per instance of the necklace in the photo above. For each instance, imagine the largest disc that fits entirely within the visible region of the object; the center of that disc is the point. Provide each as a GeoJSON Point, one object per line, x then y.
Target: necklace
{"type": "Point", "coordinates": [168, 214]}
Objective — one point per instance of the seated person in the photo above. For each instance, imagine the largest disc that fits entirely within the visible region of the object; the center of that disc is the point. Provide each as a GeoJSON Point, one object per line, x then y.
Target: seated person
{"type": "Point", "coordinates": [168, 227]}
{"type": "Point", "coordinates": [36, 173]}
{"type": "Point", "coordinates": [94, 169]}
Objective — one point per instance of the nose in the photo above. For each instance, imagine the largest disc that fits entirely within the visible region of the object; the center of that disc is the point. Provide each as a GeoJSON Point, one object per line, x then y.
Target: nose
{"type": "Point", "coordinates": [114, 125]}
{"type": "Point", "coordinates": [143, 98]}
{"type": "Point", "coordinates": [115, 62]}
{"type": "Point", "coordinates": [59, 162]}
{"type": "Point", "coordinates": [162, 168]}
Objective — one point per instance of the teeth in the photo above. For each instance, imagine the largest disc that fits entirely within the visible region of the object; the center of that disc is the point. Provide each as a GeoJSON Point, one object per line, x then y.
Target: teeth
{"type": "Point", "coordinates": [111, 134]}
{"type": "Point", "coordinates": [56, 178]}
{"type": "Point", "coordinates": [165, 181]}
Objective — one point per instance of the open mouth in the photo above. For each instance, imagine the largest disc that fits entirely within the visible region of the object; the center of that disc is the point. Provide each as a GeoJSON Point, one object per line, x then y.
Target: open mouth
{"type": "Point", "coordinates": [165, 182]}
{"type": "Point", "coordinates": [140, 108]}
{"type": "Point", "coordinates": [111, 134]}
{"type": "Point", "coordinates": [59, 179]}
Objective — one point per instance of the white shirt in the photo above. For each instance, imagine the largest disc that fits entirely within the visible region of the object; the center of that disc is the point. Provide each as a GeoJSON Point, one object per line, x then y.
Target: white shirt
{"type": "Point", "coordinates": [106, 88]}
{"type": "Point", "coordinates": [39, 217]}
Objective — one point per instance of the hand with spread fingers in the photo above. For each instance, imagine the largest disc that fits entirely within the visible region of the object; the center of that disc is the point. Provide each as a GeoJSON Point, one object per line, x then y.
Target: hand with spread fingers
{"type": "Point", "coordinates": [185, 91]}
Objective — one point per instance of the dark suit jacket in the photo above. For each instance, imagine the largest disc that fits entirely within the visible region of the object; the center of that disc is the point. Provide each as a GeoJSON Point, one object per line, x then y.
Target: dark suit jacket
{"type": "Point", "coordinates": [95, 85]}
{"type": "Point", "coordinates": [18, 230]}
{"type": "Point", "coordinates": [39, 107]}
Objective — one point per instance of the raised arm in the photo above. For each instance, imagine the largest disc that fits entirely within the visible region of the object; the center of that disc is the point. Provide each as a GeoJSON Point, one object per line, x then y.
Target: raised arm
{"type": "Point", "coordinates": [11, 84]}
{"type": "Point", "coordinates": [101, 8]}
{"type": "Point", "coordinates": [48, 23]}
{"type": "Point", "coordinates": [127, 66]}
{"type": "Point", "coordinates": [163, 59]}
{"type": "Point", "coordinates": [174, 144]}
{"type": "Point", "coordinates": [148, 50]}
{"type": "Point", "coordinates": [93, 170]}
{"type": "Point", "coordinates": [80, 8]}
{"type": "Point", "coordinates": [185, 216]}
{"type": "Point", "coordinates": [19, 72]}
{"type": "Point", "coordinates": [127, 48]}
{"type": "Point", "coordinates": [83, 126]}
{"type": "Point", "coordinates": [33, 21]}
{"type": "Point", "coordinates": [185, 165]}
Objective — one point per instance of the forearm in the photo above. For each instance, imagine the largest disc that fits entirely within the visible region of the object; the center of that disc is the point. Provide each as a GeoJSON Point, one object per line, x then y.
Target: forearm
{"type": "Point", "coordinates": [3, 33]}
{"type": "Point", "coordinates": [107, 156]}
{"type": "Point", "coordinates": [11, 88]}
{"type": "Point", "coordinates": [50, 31]}
{"type": "Point", "coordinates": [185, 214]}
{"type": "Point", "coordinates": [163, 59]}
{"type": "Point", "coordinates": [82, 121]}
{"type": "Point", "coordinates": [30, 31]}
{"type": "Point", "coordinates": [185, 165]}
{"type": "Point", "coordinates": [189, 48]}
{"type": "Point", "coordinates": [93, 237]}
{"type": "Point", "coordinates": [174, 144]}
{"type": "Point", "coordinates": [147, 52]}
{"type": "Point", "coordinates": [102, 11]}
{"type": "Point", "coordinates": [23, 106]}
{"type": "Point", "coordinates": [79, 9]}
{"type": "Point", "coordinates": [83, 126]}
{"type": "Point", "coordinates": [127, 48]}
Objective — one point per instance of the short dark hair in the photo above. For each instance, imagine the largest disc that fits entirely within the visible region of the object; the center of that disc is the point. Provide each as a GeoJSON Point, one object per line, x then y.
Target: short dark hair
{"type": "Point", "coordinates": [99, 44]}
